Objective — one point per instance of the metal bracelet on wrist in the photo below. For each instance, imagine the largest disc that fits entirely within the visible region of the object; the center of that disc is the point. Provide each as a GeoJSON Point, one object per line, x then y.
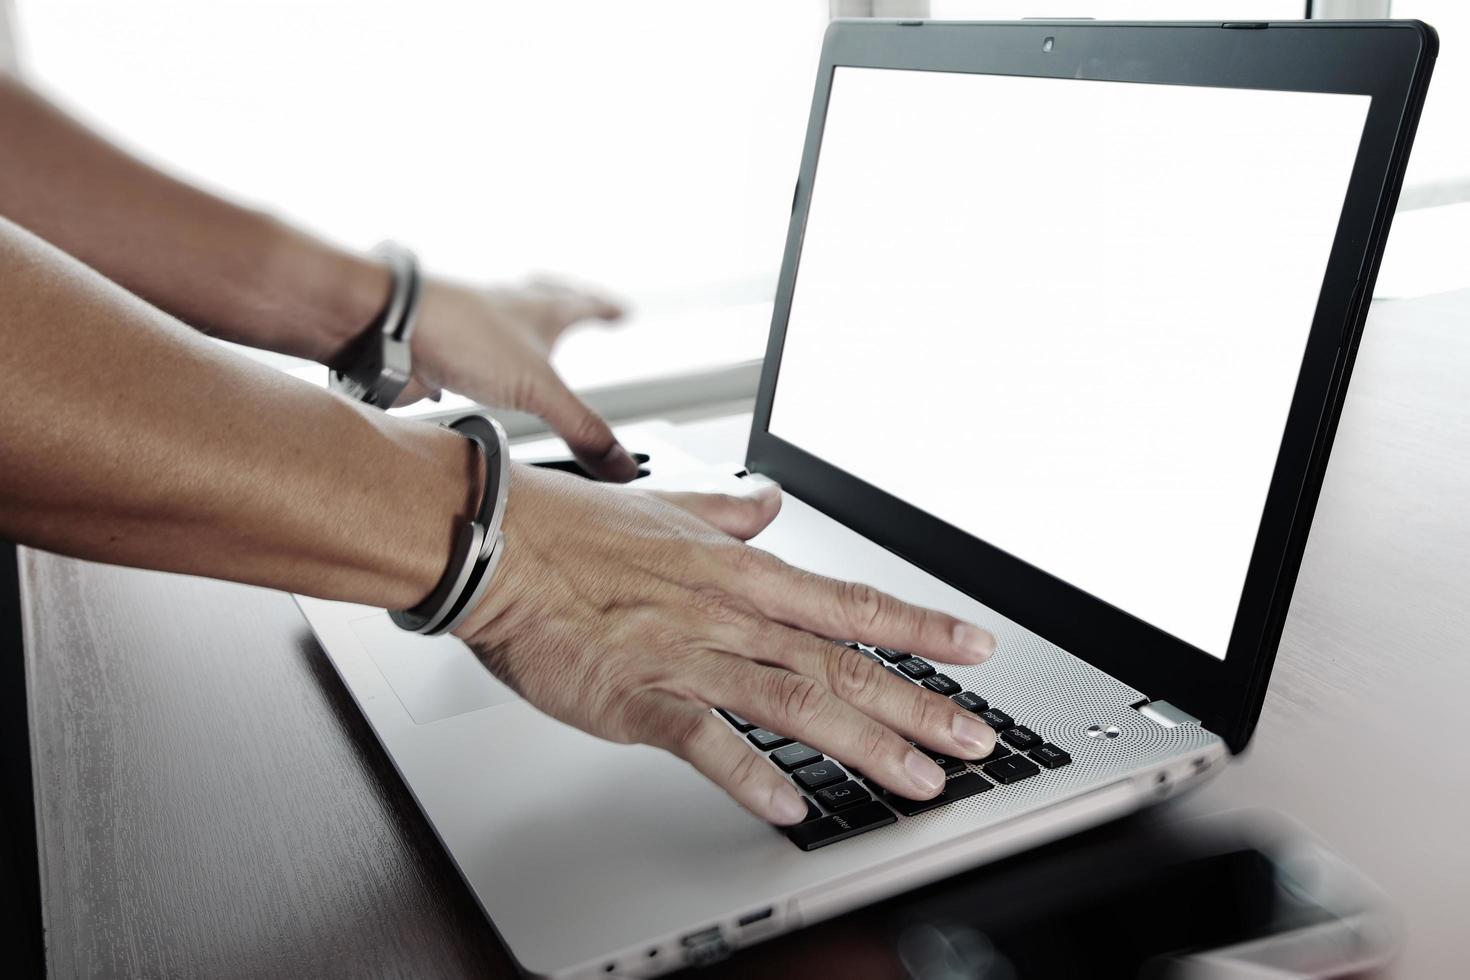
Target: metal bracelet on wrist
{"type": "Point", "coordinates": [377, 366]}
{"type": "Point", "coordinates": [479, 544]}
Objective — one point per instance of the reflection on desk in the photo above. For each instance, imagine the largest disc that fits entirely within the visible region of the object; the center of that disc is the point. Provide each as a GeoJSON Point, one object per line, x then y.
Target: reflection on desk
{"type": "Point", "coordinates": [1151, 895]}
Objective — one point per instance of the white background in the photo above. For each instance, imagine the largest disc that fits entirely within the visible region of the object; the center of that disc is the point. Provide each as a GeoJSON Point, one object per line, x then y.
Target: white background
{"type": "Point", "coordinates": [648, 146]}
{"type": "Point", "coordinates": [1068, 316]}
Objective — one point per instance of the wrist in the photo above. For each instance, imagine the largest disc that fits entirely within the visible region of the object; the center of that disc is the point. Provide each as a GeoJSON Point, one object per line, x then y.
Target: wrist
{"type": "Point", "coordinates": [525, 494]}
{"type": "Point", "coordinates": [447, 476]}
{"type": "Point", "coordinates": [330, 295]}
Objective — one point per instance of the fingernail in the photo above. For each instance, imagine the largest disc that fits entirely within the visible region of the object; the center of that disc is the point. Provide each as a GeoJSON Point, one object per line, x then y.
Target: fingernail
{"type": "Point", "coordinates": [923, 771]}
{"type": "Point", "coordinates": [787, 805]}
{"type": "Point", "coordinates": [972, 733]}
{"type": "Point", "coordinates": [974, 641]}
{"type": "Point", "coordinates": [760, 488]}
{"type": "Point", "coordinates": [620, 463]}
{"type": "Point", "coordinates": [767, 494]}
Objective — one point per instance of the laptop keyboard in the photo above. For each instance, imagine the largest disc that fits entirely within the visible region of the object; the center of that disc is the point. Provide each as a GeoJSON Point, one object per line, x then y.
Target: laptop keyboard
{"type": "Point", "coordinates": [843, 803]}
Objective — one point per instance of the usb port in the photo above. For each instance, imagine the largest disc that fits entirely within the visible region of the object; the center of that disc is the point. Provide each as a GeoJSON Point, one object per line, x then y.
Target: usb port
{"type": "Point", "coordinates": [705, 947]}
{"type": "Point", "coordinates": [751, 918]}
{"type": "Point", "coordinates": [703, 937]}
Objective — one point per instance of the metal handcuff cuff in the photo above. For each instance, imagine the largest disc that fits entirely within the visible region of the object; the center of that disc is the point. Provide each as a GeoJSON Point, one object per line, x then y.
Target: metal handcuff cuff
{"type": "Point", "coordinates": [375, 369]}
{"type": "Point", "coordinates": [479, 543]}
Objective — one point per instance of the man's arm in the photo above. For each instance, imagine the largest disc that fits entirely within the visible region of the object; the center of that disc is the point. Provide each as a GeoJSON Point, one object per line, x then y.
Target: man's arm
{"type": "Point", "coordinates": [231, 271]}
{"type": "Point", "coordinates": [126, 437]}
{"type": "Point", "coordinates": [245, 276]}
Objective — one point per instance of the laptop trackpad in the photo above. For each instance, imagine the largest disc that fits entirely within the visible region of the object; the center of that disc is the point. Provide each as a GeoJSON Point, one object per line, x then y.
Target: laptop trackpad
{"type": "Point", "coordinates": [435, 677]}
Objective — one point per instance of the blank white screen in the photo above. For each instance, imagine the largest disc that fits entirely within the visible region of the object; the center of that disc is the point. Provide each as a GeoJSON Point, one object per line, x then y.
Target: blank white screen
{"type": "Point", "coordinates": [1067, 316]}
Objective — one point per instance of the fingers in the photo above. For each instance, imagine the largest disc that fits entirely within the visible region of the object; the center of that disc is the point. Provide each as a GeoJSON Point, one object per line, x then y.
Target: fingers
{"type": "Point", "coordinates": [586, 433]}
{"type": "Point", "coordinates": [913, 711]}
{"type": "Point", "coordinates": [689, 731]}
{"type": "Point", "coordinates": [571, 305]}
{"type": "Point", "coordinates": [853, 611]}
{"type": "Point", "coordinates": [591, 307]}
{"type": "Point", "coordinates": [741, 516]}
{"type": "Point", "coordinates": [801, 707]}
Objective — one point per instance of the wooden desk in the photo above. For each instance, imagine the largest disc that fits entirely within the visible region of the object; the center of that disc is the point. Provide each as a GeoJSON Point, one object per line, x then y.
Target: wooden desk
{"type": "Point", "coordinates": [211, 803]}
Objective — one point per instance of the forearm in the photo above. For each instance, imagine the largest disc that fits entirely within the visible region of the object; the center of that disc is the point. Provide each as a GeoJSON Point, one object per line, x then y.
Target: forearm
{"type": "Point", "coordinates": [127, 438]}
{"type": "Point", "coordinates": [228, 270]}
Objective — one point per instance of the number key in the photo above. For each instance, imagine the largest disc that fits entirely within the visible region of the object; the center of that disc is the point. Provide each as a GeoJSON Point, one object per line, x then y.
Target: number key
{"type": "Point", "coordinates": [819, 774]}
{"type": "Point", "coordinates": [842, 796]}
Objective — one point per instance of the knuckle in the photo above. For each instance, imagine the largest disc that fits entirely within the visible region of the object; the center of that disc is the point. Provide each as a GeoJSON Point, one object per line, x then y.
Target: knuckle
{"type": "Point", "coordinates": [715, 605]}
{"type": "Point", "coordinates": [800, 698]}
{"type": "Point", "coordinates": [873, 741]}
{"type": "Point", "coordinates": [931, 711]}
{"type": "Point", "coordinates": [853, 678]}
{"type": "Point", "coordinates": [528, 393]}
{"type": "Point", "coordinates": [636, 716]}
{"type": "Point", "coordinates": [670, 638]}
{"type": "Point", "coordinates": [864, 603]}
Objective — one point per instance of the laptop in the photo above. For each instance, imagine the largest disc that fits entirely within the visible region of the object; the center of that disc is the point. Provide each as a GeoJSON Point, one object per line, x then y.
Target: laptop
{"type": "Point", "coordinates": [1062, 333]}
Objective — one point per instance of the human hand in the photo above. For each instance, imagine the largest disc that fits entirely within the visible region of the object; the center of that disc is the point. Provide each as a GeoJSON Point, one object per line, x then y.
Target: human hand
{"type": "Point", "coordinates": [494, 346]}
{"type": "Point", "coordinates": [630, 613]}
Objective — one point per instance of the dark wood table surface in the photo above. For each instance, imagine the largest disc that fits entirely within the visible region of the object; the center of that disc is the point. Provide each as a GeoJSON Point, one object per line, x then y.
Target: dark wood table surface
{"type": "Point", "coordinates": [210, 802]}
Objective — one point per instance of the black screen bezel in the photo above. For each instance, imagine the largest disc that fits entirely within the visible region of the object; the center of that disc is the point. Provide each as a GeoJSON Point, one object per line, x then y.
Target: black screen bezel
{"type": "Point", "coordinates": [1389, 61]}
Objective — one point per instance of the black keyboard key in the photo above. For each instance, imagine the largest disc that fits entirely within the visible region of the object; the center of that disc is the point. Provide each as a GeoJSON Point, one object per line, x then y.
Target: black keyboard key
{"type": "Point", "coordinates": [915, 668]}
{"type": "Point", "coordinates": [819, 774]}
{"type": "Point", "coordinates": [997, 719]}
{"type": "Point", "coordinates": [812, 810]}
{"type": "Point", "coordinates": [741, 725]}
{"type": "Point", "coordinates": [941, 685]}
{"type": "Point", "coordinates": [892, 656]}
{"type": "Point", "coordinates": [841, 796]}
{"type": "Point", "coordinates": [767, 740]}
{"type": "Point", "coordinates": [840, 826]}
{"type": "Point", "coordinates": [999, 752]}
{"type": "Point", "coordinates": [1021, 737]}
{"type": "Point", "coordinates": [950, 766]}
{"type": "Point", "coordinates": [1050, 756]}
{"type": "Point", "coordinates": [970, 701]}
{"type": "Point", "coordinates": [956, 788]}
{"type": "Point", "coordinates": [794, 756]}
{"type": "Point", "coordinates": [1010, 770]}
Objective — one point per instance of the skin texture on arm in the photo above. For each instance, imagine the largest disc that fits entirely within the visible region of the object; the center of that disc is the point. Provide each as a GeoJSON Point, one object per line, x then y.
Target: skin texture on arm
{"type": "Point", "coordinates": [245, 276]}
{"type": "Point", "coordinates": [230, 271]}
{"type": "Point", "coordinates": [128, 438]}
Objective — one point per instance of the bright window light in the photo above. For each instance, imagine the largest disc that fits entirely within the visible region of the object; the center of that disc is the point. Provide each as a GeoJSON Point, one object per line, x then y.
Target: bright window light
{"type": "Point", "coordinates": [648, 147]}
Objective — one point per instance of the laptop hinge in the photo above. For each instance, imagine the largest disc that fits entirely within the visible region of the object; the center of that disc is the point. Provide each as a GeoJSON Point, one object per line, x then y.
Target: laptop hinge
{"type": "Point", "coordinates": [1165, 714]}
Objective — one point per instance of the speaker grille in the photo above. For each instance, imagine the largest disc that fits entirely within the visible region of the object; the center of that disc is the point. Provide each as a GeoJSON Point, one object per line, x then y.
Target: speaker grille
{"type": "Point", "coordinates": [1058, 696]}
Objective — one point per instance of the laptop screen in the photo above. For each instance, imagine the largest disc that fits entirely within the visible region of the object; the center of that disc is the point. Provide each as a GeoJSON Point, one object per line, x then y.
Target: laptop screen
{"type": "Point", "coordinates": [1067, 316]}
